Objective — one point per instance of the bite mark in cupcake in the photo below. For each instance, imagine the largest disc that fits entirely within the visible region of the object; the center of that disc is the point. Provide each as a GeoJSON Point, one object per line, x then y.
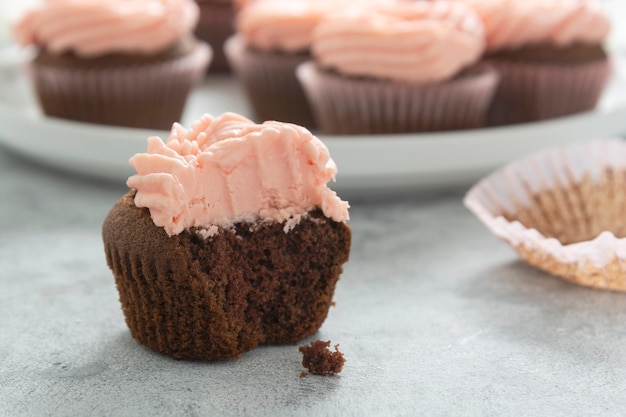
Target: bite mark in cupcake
{"type": "Point", "coordinates": [229, 238]}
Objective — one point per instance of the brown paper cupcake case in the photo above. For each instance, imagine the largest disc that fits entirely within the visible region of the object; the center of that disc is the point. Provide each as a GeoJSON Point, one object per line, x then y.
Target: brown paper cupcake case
{"type": "Point", "coordinates": [270, 82]}
{"type": "Point", "coordinates": [216, 24]}
{"type": "Point", "coordinates": [216, 298]}
{"type": "Point", "coordinates": [562, 210]}
{"type": "Point", "coordinates": [150, 95]}
{"type": "Point", "coordinates": [345, 105]}
{"type": "Point", "coordinates": [537, 91]}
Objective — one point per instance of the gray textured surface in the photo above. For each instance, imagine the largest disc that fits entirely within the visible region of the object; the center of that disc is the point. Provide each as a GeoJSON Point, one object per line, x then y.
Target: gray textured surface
{"type": "Point", "coordinates": [434, 315]}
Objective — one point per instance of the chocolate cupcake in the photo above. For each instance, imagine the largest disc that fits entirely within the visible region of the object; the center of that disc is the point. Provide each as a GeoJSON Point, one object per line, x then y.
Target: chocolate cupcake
{"type": "Point", "coordinates": [397, 68]}
{"type": "Point", "coordinates": [272, 39]}
{"type": "Point", "coordinates": [229, 238]}
{"type": "Point", "coordinates": [549, 54]}
{"type": "Point", "coordinates": [113, 62]}
{"type": "Point", "coordinates": [217, 23]}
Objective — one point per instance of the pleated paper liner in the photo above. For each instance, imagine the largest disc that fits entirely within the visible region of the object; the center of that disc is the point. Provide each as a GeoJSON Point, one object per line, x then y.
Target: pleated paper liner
{"type": "Point", "coordinates": [215, 298]}
{"type": "Point", "coordinates": [563, 210]}
{"type": "Point", "coordinates": [146, 95]}
{"type": "Point", "coordinates": [351, 105]}
{"type": "Point", "coordinates": [270, 82]}
{"type": "Point", "coordinates": [216, 24]}
{"type": "Point", "coordinates": [531, 92]}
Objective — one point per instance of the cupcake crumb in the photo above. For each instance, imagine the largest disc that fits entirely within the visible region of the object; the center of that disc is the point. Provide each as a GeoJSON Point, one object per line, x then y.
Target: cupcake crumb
{"type": "Point", "coordinates": [320, 360]}
{"type": "Point", "coordinates": [303, 374]}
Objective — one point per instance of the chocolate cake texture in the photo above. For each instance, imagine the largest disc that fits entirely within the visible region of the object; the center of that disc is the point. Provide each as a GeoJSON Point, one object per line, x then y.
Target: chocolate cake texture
{"type": "Point", "coordinates": [194, 296]}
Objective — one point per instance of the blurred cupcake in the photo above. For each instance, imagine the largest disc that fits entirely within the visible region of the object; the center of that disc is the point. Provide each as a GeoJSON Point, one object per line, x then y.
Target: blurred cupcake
{"type": "Point", "coordinates": [549, 54]}
{"type": "Point", "coordinates": [273, 38]}
{"type": "Point", "coordinates": [240, 4]}
{"type": "Point", "coordinates": [398, 67]}
{"type": "Point", "coordinates": [217, 23]}
{"type": "Point", "coordinates": [117, 62]}
{"type": "Point", "coordinates": [563, 211]}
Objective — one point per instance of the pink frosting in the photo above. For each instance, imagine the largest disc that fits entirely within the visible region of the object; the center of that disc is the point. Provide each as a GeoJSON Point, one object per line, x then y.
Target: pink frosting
{"type": "Point", "coordinates": [228, 169]}
{"type": "Point", "coordinates": [97, 27]}
{"type": "Point", "coordinates": [287, 25]}
{"type": "Point", "coordinates": [511, 24]}
{"type": "Point", "coordinates": [418, 42]}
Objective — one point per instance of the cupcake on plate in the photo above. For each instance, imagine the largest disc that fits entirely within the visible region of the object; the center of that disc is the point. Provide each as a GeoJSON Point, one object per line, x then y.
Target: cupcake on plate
{"type": "Point", "coordinates": [398, 67]}
{"type": "Point", "coordinates": [229, 238]}
{"type": "Point", "coordinates": [118, 62]}
{"type": "Point", "coordinates": [550, 56]}
{"type": "Point", "coordinates": [272, 39]}
{"type": "Point", "coordinates": [217, 23]}
{"type": "Point", "coordinates": [562, 210]}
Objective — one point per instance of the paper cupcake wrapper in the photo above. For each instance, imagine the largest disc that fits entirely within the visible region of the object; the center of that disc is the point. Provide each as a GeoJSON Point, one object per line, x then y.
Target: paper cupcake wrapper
{"type": "Point", "coordinates": [563, 211]}
{"type": "Point", "coordinates": [270, 83]}
{"type": "Point", "coordinates": [344, 105]}
{"type": "Point", "coordinates": [150, 95]}
{"type": "Point", "coordinates": [216, 24]}
{"type": "Point", "coordinates": [182, 295]}
{"type": "Point", "coordinates": [530, 92]}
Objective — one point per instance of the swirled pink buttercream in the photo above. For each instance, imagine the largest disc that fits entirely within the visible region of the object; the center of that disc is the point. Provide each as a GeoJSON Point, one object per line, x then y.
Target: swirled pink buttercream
{"type": "Point", "coordinates": [287, 25]}
{"type": "Point", "coordinates": [510, 24]}
{"type": "Point", "coordinates": [418, 42]}
{"type": "Point", "coordinates": [228, 169]}
{"type": "Point", "coordinates": [97, 27]}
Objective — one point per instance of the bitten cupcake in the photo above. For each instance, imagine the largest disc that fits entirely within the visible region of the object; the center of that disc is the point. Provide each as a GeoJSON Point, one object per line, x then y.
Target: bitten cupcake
{"type": "Point", "coordinates": [549, 54]}
{"type": "Point", "coordinates": [562, 210]}
{"type": "Point", "coordinates": [229, 238]}
{"type": "Point", "coordinates": [217, 23]}
{"type": "Point", "coordinates": [398, 67]}
{"type": "Point", "coordinates": [117, 62]}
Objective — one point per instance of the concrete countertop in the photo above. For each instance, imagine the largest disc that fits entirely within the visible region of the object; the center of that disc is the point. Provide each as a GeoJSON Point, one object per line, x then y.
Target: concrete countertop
{"type": "Point", "coordinates": [435, 317]}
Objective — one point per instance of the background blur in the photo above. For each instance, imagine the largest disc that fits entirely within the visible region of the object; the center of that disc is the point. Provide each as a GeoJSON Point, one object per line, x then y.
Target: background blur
{"type": "Point", "coordinates": [10, 9]}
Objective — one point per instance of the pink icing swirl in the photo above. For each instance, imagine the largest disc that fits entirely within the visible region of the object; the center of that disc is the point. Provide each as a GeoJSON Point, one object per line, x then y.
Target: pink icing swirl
{"type": "Point", "coordinates": [287, 25]}
{"type": "Point", "coordinates": [510, 24]}
{"type": "Point", "coordinates": [418, 42]}
{"type": "Point", "coordinates": [97, 27]}
{"type": "Point", "coordinates": [228, 169]}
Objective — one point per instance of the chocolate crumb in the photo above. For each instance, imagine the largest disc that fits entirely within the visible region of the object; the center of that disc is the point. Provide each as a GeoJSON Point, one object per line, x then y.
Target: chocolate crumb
{"type": "Point", "coordinates": [320, 360]}
{"type": "Point", "coordinates": [303, 374]}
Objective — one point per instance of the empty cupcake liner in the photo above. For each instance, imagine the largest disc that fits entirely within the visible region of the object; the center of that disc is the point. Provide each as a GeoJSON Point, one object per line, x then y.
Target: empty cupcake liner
{"type": "Point", "coordinates": [562, 210]}
{"type": "Point", "coordinates": [149, 95]}
{"type": "Point", "coordinates": [350, 105]}
{"type": "Point", "coordinates": [270, 82]}
{"type": "Point", "coordinates": [531, 92]}
{"type": "Point", "coordinates": [216, 24]}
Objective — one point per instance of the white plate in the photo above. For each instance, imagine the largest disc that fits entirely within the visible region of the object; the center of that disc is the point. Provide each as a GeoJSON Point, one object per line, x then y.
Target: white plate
{"type": "Point", "coordinates": [367, 164]}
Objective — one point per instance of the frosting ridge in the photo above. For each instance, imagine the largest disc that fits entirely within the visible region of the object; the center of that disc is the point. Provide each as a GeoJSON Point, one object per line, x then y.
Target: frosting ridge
{"type": "Point", "coordinates": [279, 25]}
{"type": "Point", "coordinates": [417, 42]}
{"type": "Point", "coordinates": [511, 24]}
{"type": "Point", "coordinates": [228, 169]}
{"type": "Point", "coordinates": [287, 25]}
{"type": "Point", "coordinates": [91, 28]}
